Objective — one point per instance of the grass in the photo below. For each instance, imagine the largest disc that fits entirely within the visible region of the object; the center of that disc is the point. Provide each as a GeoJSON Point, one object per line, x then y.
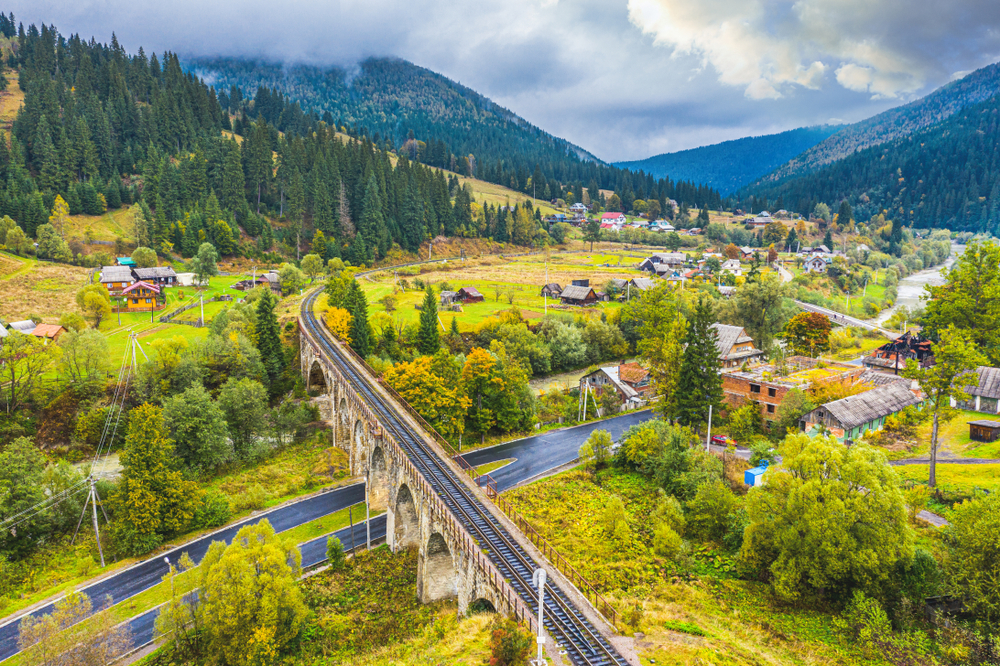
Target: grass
{"type": "Point", "coordinates": [493, 466]}
{"type": "Point", "coordinates": [953, 437]}
{"type": "Point", "coordinates": [111, 225]}
{"type": "Point", "coordinates": [964, 479]}
{"type": "Point", "coordinates": [38, 288]}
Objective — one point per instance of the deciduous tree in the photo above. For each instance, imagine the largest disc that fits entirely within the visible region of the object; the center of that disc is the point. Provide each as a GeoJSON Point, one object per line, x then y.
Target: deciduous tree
{"type": "Point", "coordinates": [21, 468]}
{"type": "Point", "coordinates": [253, 606]}
{"type": "Point", "coordinates": [441, 402]}
{"type": "Point", "coordinates": [955, 359]}
{"type": "Point", "coordinates": [197, 426]}
{"type": "Point", "coordinates": [84, 359]}
{"type": "Point", "coordinates": [338, 320]}
{"type": "Point", "coordinates": [830, 518]}
{"type": "Point", "coordinates": [244, 406]}
{"type": "Point", "coordinates": [312, 265]}
{"type": "Point", "coordinates": [144, 257]}
{"type": "Point", "coordinates": [63, 638]}
{"type": "Point", "coordinates": [95, 303]}
{"type": "Point", "coordinates": [204, 264]}
{"type": "Point", "coordinates": [973, 537]}
{"type": "Point", "coordinates": [808, 333]}
{"type": "Point", "coordinates": [24, 359]}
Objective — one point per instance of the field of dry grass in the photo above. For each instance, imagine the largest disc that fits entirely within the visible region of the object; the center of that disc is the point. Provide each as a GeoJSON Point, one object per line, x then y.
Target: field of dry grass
{"type": "Point", "coordinates": [38, 288]}
{"type": "Point", "coordinates": [113, 224]}
{"type": "Point", "coordinates": [11, 100]}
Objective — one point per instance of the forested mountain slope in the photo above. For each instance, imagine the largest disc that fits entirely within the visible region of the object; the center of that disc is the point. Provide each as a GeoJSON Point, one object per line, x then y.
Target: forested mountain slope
{"type": "Point", "coordinates": [895, 123]}
{"type": "Point", "coordinates": [730, 165]}
{"type": "Point", "coordinates": [947, 175]}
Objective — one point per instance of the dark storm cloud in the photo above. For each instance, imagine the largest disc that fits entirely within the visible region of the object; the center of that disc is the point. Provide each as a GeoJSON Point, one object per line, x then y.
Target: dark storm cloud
{"type": "Point", "coordinates": [625, 79]}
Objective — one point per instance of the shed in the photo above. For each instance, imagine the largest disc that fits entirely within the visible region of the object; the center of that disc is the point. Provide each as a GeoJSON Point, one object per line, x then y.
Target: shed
{"type": "Point", "coordinates": [984, 431]}
{"type": "Point", "coordinates": [125, 261]}
{"type": "Point", "coordinates": [755, 475]}
{"type": "Point", "coordinates": [469, 295]}
{"type": "Point", "coordinates": [26, 326]}
{"type": "Point", "coordinates": [51, 332]}
{"type": "Point", "coordinates": [551, 289]}
{"type": "Point", "coordinates": [574, 295]}
{"type": "Point", "coordinates": [448, 297]}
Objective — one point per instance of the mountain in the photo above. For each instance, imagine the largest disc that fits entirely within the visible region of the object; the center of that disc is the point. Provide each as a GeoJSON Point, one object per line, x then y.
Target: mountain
{"type": "Point", "coordinates": [730, 165]}
{"type": "Point", "coordinates": [945, 175]}
{"type": "Point", "coordinates": [896, 123]}
{"type": "Point", "coordinates": [391, 97]}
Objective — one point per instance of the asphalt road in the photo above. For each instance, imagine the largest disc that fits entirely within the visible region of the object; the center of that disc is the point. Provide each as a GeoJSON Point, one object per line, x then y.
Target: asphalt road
{"type": "Point", "coordinates": [142, 576]}
{"type": "Point", "coordinates": [313, 552]}
{"type": "Point", "coordinates": [542, 453]}
{"type": "Point", "coordinates": [534, 456]}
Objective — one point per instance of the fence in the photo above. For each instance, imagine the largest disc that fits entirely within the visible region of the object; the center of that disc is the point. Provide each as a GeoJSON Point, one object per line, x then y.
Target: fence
{"type": "Point", "coordinates": [198, 323]}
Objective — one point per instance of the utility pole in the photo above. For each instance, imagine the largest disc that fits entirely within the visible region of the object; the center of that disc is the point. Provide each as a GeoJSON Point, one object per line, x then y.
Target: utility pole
{"type": "Point", "coordinates": [92, 499]}
{"type": "Point", "coordinates": [708, 438]}
{"type": "Point", "coordinates": [202, 299]}
{"type": "Point", "coordinates": [368, 521]}
{"type": "Point", "coordinates": [538, 579]}
{"type": "Point", "coordinates": [350, 518]}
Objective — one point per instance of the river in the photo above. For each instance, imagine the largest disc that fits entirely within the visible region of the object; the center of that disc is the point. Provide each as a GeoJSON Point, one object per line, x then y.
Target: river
{"type": "Point", "coordinates": [911, 292]}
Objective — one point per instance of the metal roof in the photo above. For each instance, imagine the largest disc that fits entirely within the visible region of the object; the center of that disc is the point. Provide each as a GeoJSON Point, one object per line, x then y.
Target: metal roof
{"type": "Point", "coordinates": [25, 326]}
{"type": "Point", "coordinates": [856, 410]}
{"type": "Point", "coordinates": [154, 272]}
{"type": "Point", "coordinates": [116, 274]}
{"type": "Point", "coordinates": [642, 284]}
{"type": "Point", "coordinates": [988, 385]}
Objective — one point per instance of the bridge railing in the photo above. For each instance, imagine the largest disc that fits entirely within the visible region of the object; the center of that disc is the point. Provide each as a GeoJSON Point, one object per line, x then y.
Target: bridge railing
{"type": "Point", "coordinates": [548, 550]}
{"type": "Point", "coordinates": [554, 556]}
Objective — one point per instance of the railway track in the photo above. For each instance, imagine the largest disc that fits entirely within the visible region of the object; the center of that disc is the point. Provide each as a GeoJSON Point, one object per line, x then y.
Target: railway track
{"type": "Point", "coordinates": [573, 633]}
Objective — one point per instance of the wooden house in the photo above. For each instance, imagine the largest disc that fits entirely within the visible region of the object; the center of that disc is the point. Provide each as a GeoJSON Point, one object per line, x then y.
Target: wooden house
{"type": "Point", "coordinates": [141, 296]}
{"type": "Point", "coordinates": [116, 278]}
{"type": "Point", "coordinates": [984, 396]}
{"type": "Point", "coordinates": [552, 290]}
{"type": "Point", "coordinates": [735, 346]}
{"type": "Point", "coordinates": [576, 295]}
{"type": "Point", "coordinates": [662, 261]}
{"type": "Point", "coordinates": [984, 431]}
{"type": "Point", "coordinates": [815, 264]}
{"type": "Point", "coordinates": [48, 332]}
{"type": "Point", "coordinates": [469, 295]}
{"type": "Point", "coordinates": [893, 355]}
{"type": "Point", "coordinates": [161, 276]}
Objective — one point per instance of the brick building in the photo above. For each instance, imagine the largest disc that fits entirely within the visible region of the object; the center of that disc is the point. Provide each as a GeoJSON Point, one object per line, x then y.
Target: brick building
{"type": "Point", "coordinates": [767, 385]}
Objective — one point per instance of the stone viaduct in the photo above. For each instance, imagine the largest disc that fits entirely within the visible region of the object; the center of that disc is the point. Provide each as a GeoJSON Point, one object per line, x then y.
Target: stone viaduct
{"type": "Point", "coordinates": [450, 563]}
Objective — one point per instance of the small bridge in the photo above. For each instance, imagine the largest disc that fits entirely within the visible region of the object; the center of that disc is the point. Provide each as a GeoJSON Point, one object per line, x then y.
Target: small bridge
{"type": "Point", "coordinates": [846, 320]}
{"type": "Point", "coordinates": [467, 549]}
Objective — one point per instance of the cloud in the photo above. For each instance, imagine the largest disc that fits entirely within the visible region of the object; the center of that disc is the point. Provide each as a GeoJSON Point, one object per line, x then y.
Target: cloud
{"type": "Point", "coordinates": [625, 79]}
{"type": "Point", "coordinates": [889, 48]}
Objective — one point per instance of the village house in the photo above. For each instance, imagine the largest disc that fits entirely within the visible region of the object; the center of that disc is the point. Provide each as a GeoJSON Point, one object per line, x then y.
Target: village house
{"type": "Point", "coordinates": [641, 284]}
{"type": "Point", "coordinates": [767, 385]}
{"type": "Point", "coordinates": [726, 292]}
{"type": "Point", "coordinates": [469, 295]}
{"type": "Point", "coordinates": [662, 261]}
{"type": "Point", "coordinates": [141, 296]}
{"type": "Point", "coordinates": [747, 252]}
{"type": "Point", "coordinates": [984, 396]}
{"type": "Point", "coordinates": [893, 355]}
{"type": "Point", "coordinates": [552, 290]}
{"type": "Point", "coordinates": [849, 418]}
{"type": "Point", "coordinates": [630, 381]}
{"type": "Point", "coordinates": [613, 220]}
{"type": "Point", "coordinates": [26, 326]}
{"type": "Point", "coordinates": [161, 276]}
{"type": "Point", "coordinates": [578, 295]}
{"type": "Point", "coordinates": [48, 332]}
{"type": "Point", "coordinates": [116, 278]}
{"type": "Point", "coordinates": [732, 266]}
{"type": "Point", "coordinates": [735, 346]}
{"type": "Point", "coordinates": [815, 264]}
{"type": "Point", "coordinates": [616, 287]}
{"type": "Point", "coordinates": [578, 208]}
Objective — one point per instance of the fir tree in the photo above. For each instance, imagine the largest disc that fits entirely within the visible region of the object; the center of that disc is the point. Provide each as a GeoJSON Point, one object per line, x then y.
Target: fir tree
{"type": "Point", "coordinates": [699, 383]}
{"type": "Point", "coordinates": [361, 334]}
{"type": "Point", "coordinates": [828, 240]}
{"type": "Point", "coordinates": [269, 336]}
{"type": "Point", "coordinates": [428, 338]}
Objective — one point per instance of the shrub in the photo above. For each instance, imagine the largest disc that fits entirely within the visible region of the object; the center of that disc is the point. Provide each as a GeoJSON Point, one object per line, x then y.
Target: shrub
{"type": "Point", "coordinates": [510, 644]}
{"type": "Point", "coordinates": [669, 512]}
{"type": "Point", "coordinates": [710, 509]}
{"type": "Point", "coordinates": [666, 542]}
{"type": "Point", "coordinates": [865, 623]}
{"type": "Point", "coordinates": [213, 512]}
{"type": "Point", "coordinates": [614, 519]}
{"type": "Point", "coordinates": [335, 557]}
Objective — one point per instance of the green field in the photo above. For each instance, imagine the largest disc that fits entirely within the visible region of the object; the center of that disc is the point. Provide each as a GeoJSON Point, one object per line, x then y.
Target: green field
{"type": "Point", "coordinates": [963, 478]}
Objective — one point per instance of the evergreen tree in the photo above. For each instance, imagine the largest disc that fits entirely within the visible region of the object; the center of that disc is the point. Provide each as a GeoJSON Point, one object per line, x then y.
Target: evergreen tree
{"type": "Point", "coordinates": [699, 383]}
{"type": "Point", "coordinates": [428, 338]}
{"type": "Point", "coordinates": [232, 178]}
{"type": "Point", "coordinates": [844, 215]}
{"type": "Point", "coordinates": [828, 240]}
{"type": "Point", "coordinates": [357, 305]}
{"type": "Point", "coordinates": [269, 336]}
{"type": "Point", "coordinates": [791, 240]}
{"type": "Point", "coordinates": [371, 222]}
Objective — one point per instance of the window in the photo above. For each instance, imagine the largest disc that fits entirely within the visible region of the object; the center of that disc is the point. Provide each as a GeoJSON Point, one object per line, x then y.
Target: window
{"type": "Point", "coordinates": [755, 388]}
{"type": "Point", "coordinates": [770, 409]}
{"type": "Point", "coordinates": [135, 301]}
{"type": "Point", "coordinates": [771, 392]}
{"type": "Point", "coordinates": [147, 300]}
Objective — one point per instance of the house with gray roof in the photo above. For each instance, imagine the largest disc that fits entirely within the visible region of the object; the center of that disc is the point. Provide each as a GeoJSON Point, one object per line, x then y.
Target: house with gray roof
{"type": "Point", "coordinates": [577, 295]}
{"type": "Point", "coordinates": [984, 396]}
{"type": "Point", "coordinates": [735, 346]}
{"type": "Point", "coordinates": [849, 418]}
{"type": "Point", "coordinates": [662, 261]}
{"type": "Point", "coordinates": [116, 278]}
{"type": "Point", "coordinates": [161, 276]}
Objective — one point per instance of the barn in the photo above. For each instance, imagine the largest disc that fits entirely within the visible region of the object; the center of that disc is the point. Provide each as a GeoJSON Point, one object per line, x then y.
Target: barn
{"type": "Point", "coordinates": [469, 295]}
{"type": "Point", "coordinates": [576, 295]}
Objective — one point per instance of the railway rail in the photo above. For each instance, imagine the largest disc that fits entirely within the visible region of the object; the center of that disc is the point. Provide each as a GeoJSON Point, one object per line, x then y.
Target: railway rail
{"type": "Point", "coordinates": [572, 631]}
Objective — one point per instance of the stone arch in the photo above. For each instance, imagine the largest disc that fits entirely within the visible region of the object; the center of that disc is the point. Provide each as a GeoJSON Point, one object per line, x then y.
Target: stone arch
{"type": "Point", "coordinates": [358, 456]}
{"type": "Point", "coordinates": [407, 527]}
{"type": "Point", "coordinates": [438, 579]}
{"type": "Point", "coordinates": [342, 433]}
{"type": "Point", "coordinates": [378, 480]}
{"type": "Point", "coordinates": [481, 605]}
{"type": "Point", "coordinates": [316, 379]}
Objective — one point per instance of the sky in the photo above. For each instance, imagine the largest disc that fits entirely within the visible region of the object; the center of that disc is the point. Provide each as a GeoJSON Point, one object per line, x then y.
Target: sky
{"type": "Point", "coordinates": [625, 79]}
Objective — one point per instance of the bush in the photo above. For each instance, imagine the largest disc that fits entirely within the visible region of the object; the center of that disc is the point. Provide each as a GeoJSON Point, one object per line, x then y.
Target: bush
{"type": "Point", "coordinates": [669, 512]}
{"type": "Point", "coordinates": [335, 557]}
{"type": "Point", "coordinates": [128, 542]}
{"type": "Point", "coordinates": [510, 644]}
{"type": "Point", "coordinates": [710, 510]}
{"type": "Point", "coordinates": [213, 512]}
{"type": "Point", "coordinates": [253, 498]}
{"type": "Point", "coordinates": [666, 542]}
{"type": "Point", "coordinates": [865, 623]}
{"type": "Point", "coordinates": [615, 520]}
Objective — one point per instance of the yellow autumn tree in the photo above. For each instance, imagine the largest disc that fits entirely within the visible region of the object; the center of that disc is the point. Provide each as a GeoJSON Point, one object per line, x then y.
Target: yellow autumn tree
{"type": "Point", "coordinates": [338, 320]}
{"type": "Point", "coordinates": [60, 211]}
{"type": "Point", "coordinates": [442, 403]}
